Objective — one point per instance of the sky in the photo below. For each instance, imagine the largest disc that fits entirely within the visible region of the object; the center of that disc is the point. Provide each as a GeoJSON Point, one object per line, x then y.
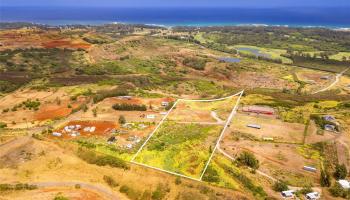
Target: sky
{"type": "Point", "coordinates": [180, 3]}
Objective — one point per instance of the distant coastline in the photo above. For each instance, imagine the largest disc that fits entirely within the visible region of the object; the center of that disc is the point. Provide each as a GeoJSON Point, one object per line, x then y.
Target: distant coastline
{"type": "Point", "coordinates": [333, 18]}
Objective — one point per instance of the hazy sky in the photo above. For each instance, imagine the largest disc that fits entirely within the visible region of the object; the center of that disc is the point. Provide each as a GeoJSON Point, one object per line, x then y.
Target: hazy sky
{"type": "Point", "coordinates": [180, 3]}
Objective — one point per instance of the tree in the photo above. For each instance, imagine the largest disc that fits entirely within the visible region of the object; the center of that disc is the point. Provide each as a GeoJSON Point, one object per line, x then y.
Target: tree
{"type": "Point", "coordinates": [340, 171]}
{"type": "Point", "coordinates": [337, 191]}
{"type": "Point", "coordinates": [248, 159]}
{"type": "Point", "coordinates": [122, 119]}
{"type": "Point", "coordinates": [280, 186]}
{"type": "Point", "coordinates": [325, 179]}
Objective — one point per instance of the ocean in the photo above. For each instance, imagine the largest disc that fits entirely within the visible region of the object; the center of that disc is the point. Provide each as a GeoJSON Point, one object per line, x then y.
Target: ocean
{"type": "Point", "coordinates": [293, 17]}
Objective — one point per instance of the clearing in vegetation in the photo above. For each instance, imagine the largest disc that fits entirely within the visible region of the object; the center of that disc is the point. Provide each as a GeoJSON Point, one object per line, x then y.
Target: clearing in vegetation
{"type": "Point", "coordinates": [185, 140]}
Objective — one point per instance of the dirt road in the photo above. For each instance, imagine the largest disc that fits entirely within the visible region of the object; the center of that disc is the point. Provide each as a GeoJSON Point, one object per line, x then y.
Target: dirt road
{"type": "Point", "coordinates": [337, 78]}
{"type": "Point", "coordinates": [107, 193]}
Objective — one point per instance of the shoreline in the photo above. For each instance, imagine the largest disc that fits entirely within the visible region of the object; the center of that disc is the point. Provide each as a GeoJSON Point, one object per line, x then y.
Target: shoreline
{"type": "Point", "coordinates": [60, 23]}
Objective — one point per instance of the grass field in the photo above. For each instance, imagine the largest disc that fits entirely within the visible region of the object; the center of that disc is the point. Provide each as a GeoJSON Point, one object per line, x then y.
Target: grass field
{"type": "Point", "coordinates": [180, 148]}
{"type": "Point", "coordinates": [191, 111]}
{"type": "Point", "coordinates": [272, 53]}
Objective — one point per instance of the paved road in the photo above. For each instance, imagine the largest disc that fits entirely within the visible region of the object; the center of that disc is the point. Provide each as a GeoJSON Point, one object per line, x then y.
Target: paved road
{"type": "Point", "coordinates": [337, 78]}
{"type": "Point", "coordinates": [97, 188]}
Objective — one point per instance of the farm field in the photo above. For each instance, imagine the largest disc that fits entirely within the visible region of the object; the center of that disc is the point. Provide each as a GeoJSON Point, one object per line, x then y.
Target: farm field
{"type": "Point", "coordinates": [184, 145]}
{"type": "Point", "coordinates": [270, 128]}
{"type": "Point", "coordinates": [180, 148]}
{"type": "Point", "coordinates": [264, 52]}
{"type": "Point", "coordinates": [198, 111]}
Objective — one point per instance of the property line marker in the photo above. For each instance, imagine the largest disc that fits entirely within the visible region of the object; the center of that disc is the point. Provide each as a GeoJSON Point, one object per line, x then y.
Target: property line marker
{"type": "Point", "coordinates": [228, 121]}
{"type": "Point", "coordinates": [163, 119]}
{"type": "Point", "coordinates": [163, 170]}
{"type": "Point", "coordinates": [149, 137]}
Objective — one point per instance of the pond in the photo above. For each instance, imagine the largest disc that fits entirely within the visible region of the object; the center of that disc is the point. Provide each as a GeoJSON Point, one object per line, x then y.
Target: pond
{"type": "Point", "coordinates": [230, 60]}
{"type": "Point", "coordinates": [254, 51]}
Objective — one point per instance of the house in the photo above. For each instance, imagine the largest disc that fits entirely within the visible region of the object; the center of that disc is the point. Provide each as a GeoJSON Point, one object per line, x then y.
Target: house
{"type": "Point", "coordinates": [310, 169]}
{"type": "Point", "coordinates": [312, 196]}
{"type": "Point", "coordinates": [150, 116]}
{"type": "Point", "coordinates": [92, 129]}
{"type": "Point", "coordinates": [67, 129]}
{"type": "Point", "coordinates": [163, 113]}
{"type": "Point", "coordinates": [344, 184]}
{"type": "Point", "coordinates": [259, 110]}
{"type": "Point", "coordinates": [125, 97]}
{"type": "Point", "coordinates": [256, 126]}
{"type": "Point", "coordinates": [329, 118]}
{"type": "Point", "coordinates": [128, 146]}
{"type": "Point", "coordinates": [324, 77]}
{"type": "Point", "coordinates": [329, 127]}
{"type": "Point", "coordinates": [165, 103]}
{"type": "Point", "coordinates": [57, 134]}
{"type": "Point", "coordinates": [288, 193]}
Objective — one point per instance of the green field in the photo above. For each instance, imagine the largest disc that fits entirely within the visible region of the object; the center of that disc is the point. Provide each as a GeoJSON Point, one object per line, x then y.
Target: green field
{"type": "Point", "coordinates": [180, 148]}
{"type": "Point", "coordinates": [273, 53]}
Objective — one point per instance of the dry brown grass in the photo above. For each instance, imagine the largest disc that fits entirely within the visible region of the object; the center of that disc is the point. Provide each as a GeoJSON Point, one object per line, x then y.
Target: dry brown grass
{"type": "Point", "coordinates": [54, 163]}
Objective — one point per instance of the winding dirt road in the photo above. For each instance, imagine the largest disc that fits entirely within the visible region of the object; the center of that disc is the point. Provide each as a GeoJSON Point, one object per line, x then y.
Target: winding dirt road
{"type": "Point", "coordinates": [97, 188]}
{"type": "Point", "coordinates": [337, 78]}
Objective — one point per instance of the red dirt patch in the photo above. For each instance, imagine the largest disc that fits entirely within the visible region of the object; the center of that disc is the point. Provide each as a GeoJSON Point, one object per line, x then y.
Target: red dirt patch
{"type": "Point", "coordinates": [65, 44]}
{"type": "Point", "coordinates": [103, 128]}
{"type": "Point", "coordinates": [50, 111]}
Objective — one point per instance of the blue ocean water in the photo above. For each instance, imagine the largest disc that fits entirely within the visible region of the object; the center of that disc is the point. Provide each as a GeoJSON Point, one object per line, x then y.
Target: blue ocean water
{"type": "Point", "coordinates": [327, 17]}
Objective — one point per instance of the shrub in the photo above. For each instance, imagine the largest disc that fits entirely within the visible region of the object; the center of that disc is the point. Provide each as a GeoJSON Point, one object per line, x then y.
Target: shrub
{"type": "Point", "coordinates": [211, 175]}
{"type": "Point", "coordinates": [169, 106]}
{"type": "Point", "coordinates": [31, 104]}
{"type": "Point", "coordinates": [60, 197]}
{"type": "Point", "coordinates": [3, 125]}
{"type": "Point", "coordinates": [122, 119]}
{"type": "Point", "coordinates": [110, 181]}
{"type": "Point", "coordinates": [247, 183]}
{"type": "Point", "coordinates": [129, 107]}
{"type": "Point", "coordinates": [340, 171]}
{"type": "Point", "coordinates": [325, 179]}
{"type": "Point", "coordinates": [337, 191]}
{"type": "Point", "coordinates": [178, 181]}
{"type": "Point", "coordinates": [280, 186]}
{"type": "Point", "coordinates": [132, 194]}
{"type": "Point", "coordinates": [305, 190]}
{"type": "Point", "coordinates": [160, 192]}
{"type": "Point", "coordinates": [248, 159]}
{"type": "Point", "coordinates": [103, 94]}
{"type": "Point", "coordinates": [101, 160]}
{"type": "Point", "coordinates": [18, 186]}
{"type": "Point", "coordinates": [195, 63]}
